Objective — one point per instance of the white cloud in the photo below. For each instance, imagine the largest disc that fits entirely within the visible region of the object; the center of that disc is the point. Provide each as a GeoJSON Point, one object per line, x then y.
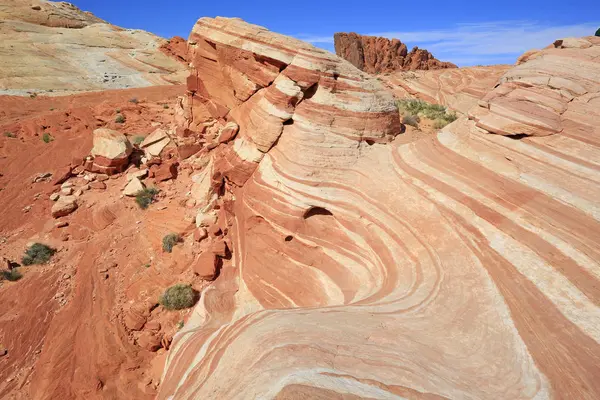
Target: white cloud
{"type": "Point", "coordinates": [480, 43]}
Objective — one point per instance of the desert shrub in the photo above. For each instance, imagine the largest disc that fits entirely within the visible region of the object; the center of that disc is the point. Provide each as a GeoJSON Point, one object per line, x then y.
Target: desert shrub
{"type": "Point", "coordinates": [169, 241]}
{"type": "Point", "coordinates": [10, 135]}
{"type": "Point", "coordinates": [165, 106]}
{"type": "Point", "coordinates": [178, 297]}
{"type": "Point", "coordinates": [38, 253]}
{"type": "Point", "coordinates": [411, 119]}
{"type": "Point", "coordinates": [12, 275]}
{"type": "Point", "coordinates": [598, 32]}
{"type": "Point", "coordinates": [134, 100]}
{"type": "Point", "coordinates": [120, 119]}
{"type": "Point", "coordinates": [146, 197]}
{"type": "Point", "coordinates": [180, 325]}
{"type": "Point", "coordinates": [138, 139]}
{"type": "Point", "coordinates": [47, 138]}
{"type": "Point", "coordinates": [435, 112]}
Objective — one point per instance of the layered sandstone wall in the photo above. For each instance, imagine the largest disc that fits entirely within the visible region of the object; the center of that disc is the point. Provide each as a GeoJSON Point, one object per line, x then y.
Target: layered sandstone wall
{"type": "Point", "coordinates": [462, 265]}
{"type": "Point", "coordinates": [378, 55]}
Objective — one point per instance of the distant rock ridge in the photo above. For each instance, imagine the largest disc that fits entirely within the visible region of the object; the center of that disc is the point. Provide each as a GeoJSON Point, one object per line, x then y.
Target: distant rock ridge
{"type": "Point", "coordinates": [40, 40]}
{"type": "Point", "coordinates": [375, 55]}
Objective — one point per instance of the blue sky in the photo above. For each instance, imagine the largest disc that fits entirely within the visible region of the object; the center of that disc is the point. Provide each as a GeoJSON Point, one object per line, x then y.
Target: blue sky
{"type": "Point", "coordinates": [463, 32]}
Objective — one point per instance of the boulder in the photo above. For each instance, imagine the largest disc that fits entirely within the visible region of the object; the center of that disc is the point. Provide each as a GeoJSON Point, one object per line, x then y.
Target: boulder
{"type": "Point", "coordinates": [187, 150]}
{"type": "Point", "coordinates": [206, 266]}
{"type": "Point", "coordinates": [62, 175]}
{"type": "Point", "coordinates": [65, 205]}
{"type": "Point", "coordinates": [141, 174]}
{"type": "Point", "coordinates": [228, 132]}
{"type": "Point", "coordinates": [154, 143]}
{"type": "Point", "coordinates": [219, 248]}
{"type": "Point", "coordinates": [166, 171]}
{"type": "Point", "coordinates": [200, 234]}
{"type": "Point", "coordinates": [133, 187]}
{"type": "Point", "coordinates": [111, 150]}
{"type": "Point", "coordinates": [54, 196]}
{"type": "Point", "coordinates": [97, 185]}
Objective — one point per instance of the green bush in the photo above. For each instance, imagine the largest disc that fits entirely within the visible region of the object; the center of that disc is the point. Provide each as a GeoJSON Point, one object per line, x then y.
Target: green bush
{"type": "Point", "coordinates": [12, 275]}
{"type": "Point", "coordinates": [598, 32]}
{"type": "Point", "coordinates": [435, 112]}
{"type": "Point", "coordinates": [165, 106]}
{"type": "Point", "coordinates": [146, 197]}
{"type": "Point", "coordinates": [138, 139]}
{"type": "Point", "coordinates": [178, 297]}
{"type": "Point", "coordinates": [10, 135]}
{"type": "Point", "coordinates": [411, 119]}
{"type": "Point", "coordinates": [47, 138]}
{"type": "Point", "coordinates": [38, 253]}
{"type": "Point", "coordinates": [169, 241]}
{"type": "Point", "coordinates": [120, 119]}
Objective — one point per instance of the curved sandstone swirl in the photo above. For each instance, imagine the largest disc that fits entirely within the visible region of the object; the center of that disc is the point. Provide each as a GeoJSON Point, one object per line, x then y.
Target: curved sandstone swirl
{"type": "Point", "coordinates": [459, 266]}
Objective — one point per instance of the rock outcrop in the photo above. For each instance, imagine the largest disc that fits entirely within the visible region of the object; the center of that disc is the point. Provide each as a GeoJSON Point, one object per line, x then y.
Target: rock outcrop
{"type": "Point", "coordinates": [463, 265]}
{"type": "Point", "coordinates": [41, 40]}
{"type": "Point", "coordinates": [176, 48]}
{"type": "Point", "coordinates": [378, 55]}
{"type": "Point", "coordinates": [457, 88]}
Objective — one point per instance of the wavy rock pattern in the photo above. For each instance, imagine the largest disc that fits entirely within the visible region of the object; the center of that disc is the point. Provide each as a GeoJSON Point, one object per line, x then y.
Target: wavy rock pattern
{"type": "Point", "coordinates": [458, 88]}
{"type": "Point", "coordinates": [463, 265]}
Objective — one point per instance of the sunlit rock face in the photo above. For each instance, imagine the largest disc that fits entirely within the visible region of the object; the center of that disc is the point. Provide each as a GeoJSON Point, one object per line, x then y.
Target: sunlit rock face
{"type": "Point", "coordinates": [463, 265]}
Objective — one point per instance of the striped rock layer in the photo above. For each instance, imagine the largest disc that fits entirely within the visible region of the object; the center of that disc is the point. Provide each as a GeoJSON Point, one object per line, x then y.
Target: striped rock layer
{"type": "Point", "coordinates": [463, 265]}
{"type": "Point", "coordinates": [458, 88]}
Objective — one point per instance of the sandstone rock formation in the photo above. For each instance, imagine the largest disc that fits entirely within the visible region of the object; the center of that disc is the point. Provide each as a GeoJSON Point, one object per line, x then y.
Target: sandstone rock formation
{"type": "Point", "coordinates": [463, 265]}
{"type": "Point", "coordinates": [111, 151]}
{"type": "Point", "coordinates": [377, 54]}
{"type": "Point", "coordinates": [176, 48]}
{"type": "Point", "coordinates": [41, 40]}
{"type": "Point", "coordinates": [457, 88]}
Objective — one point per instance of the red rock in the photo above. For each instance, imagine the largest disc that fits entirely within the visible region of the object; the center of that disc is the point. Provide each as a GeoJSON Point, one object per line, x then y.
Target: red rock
{"type": "Point", "coordinates": [206, 265]}
{"type": "Point", "coordinates": [98, 185]}
{"type": "Point", "coordinates": [134, 319]}
{"type": "Point", "coordinates": [219, 248]}
{"type": "Point", "coordinates": [176, 47]}
{"type": "Point", "coordinates": [153, 161]}
{"type": "Point", "coordinates": [166, 171]}
{"type": "Point", "coordinates": [188, 150]}
{"type": "Point", "coordinates": [111, 150]}
{"type": "Point", "coordinates": [228, 132]}
{"type": "Point", "coordinates": [376, 54]}
{"type": "Point", "coordinates": [215, 230]}
{"type": "Point", "coordinates": [62, 175]}
{"type": "Point", "coordinates": [152, 326]}
{"type": "Point", "coordinates": [200, 234]}
{"type": "Point", "coordinates": [149, 341]}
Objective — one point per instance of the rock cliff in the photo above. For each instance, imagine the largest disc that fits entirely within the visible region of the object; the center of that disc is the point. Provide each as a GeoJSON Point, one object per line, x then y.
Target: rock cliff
{"type": "Point", "coordinates": [462, 265]}
{"type": "Point", "coordinates": [377, 55]}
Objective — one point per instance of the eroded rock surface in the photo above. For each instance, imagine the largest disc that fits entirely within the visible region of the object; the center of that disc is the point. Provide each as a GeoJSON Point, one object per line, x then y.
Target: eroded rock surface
{"type": "Point", "coordinates": [457, 88]}
{"type": "Point", "coordinates": [464, 265]}
{"type": "Point", "coordinates": [377, 54]}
